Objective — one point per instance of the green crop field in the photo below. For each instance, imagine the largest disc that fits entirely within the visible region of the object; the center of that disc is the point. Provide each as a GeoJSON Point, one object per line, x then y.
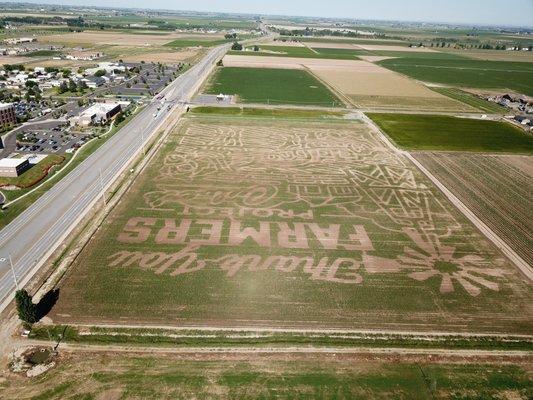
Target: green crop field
{"type": "Point", "coordinates": [273, 86]}
{"type": "Point", "coordinates": [437, 132]}
{"type": "Point", "coordinates": [252, 376]}
{"type": "Point", "coordinates": [267, 112]}
{"type": "Point", "coordinates": [300, 52]}
{"type": "Point", "coordinates": [261, 222]}
{"type": "Point", "coordinates": [471, 100]}
{"type": "Point", "coordinates": [517, 76]}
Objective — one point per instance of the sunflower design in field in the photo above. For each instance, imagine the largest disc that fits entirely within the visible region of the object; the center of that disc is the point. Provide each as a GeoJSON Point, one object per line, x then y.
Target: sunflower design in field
{"type": "Point", "coordinates": [434, 259]}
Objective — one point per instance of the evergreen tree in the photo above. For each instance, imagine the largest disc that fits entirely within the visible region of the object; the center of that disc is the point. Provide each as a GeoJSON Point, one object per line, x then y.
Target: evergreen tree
{"type": "Point", "coordinates": [27, 311]}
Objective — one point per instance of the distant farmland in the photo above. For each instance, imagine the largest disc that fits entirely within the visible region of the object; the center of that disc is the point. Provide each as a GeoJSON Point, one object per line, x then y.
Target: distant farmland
{"type": "Point", "coordinates": [437, 132]}
{"type": "Point", "coordinates": [274, 86]}
{"type": "Point", "coordinates": [516, 76]}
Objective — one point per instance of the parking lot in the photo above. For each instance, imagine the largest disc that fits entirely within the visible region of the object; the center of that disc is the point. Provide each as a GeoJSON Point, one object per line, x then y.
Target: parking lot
{"type": "Point", "coordinates": [56, 140]}
{"type": "Point", "coordinates": [150, 80]}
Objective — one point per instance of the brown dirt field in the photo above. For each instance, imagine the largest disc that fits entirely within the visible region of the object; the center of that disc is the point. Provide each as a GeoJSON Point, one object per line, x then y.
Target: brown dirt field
{"type": "Point", "coordinates": [15, 60]}
{"type": "Point", "coordinates": [371, 86]}
{"type": "Point", "coordinates": [292, 62]}
{"type": "Point", "coordinates": [522, 163]}
{"type": "Point", "coordinates": [494, 189]}
{"type": "Point", "coordinates": [374, 58]}
{"type": "Point", "coordinates": [403, 47]}
{"type": "Point", "coordinates": [118, 38]}
{"type": "Point", "coordinates": [283, 44]}
{"type": "Point", "coordinates": [493, 55]}
{"type": "Point", "coordinates": [331, 45]}
{"type": "Point", "coordinates": [164, 57]}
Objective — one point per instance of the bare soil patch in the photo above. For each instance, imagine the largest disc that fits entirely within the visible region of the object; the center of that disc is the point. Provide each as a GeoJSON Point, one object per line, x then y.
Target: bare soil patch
{"type": "Point", "coordinates": [163, 57]}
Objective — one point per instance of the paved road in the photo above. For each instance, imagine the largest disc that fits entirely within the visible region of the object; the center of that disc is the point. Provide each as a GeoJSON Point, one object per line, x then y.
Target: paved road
{"type": "Point", "coordinates": [36, 233]}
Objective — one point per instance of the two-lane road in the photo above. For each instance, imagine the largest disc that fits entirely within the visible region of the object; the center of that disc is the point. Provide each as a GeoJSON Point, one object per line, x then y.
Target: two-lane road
{"type": "Point", "coordinates": [38, 231]}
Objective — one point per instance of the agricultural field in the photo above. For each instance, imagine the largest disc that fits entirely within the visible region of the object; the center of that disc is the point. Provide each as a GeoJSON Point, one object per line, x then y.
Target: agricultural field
{"type": "Point", "coordinates": [252, 376]}
{"type": "Point", "coordinates": [471, 100]}
{"type": "Point", "coordinates": [516, 76]}
{"type": "Point", "coordinates": [299, 52]}
{"type": "Point", "coordinates": [371, 86]}
{"type": "Point", "coordinates": [439, 132]}
{"type": "Point", "coordinates": [362, 83]}
{"type": "Point", "coordinates": [272, 86]}
{"type": "Point", "coordinates": [90, 38]}
{"type": "Point", "coordinates": [268, 112]}
{"type": "Point", "coordinates": [492, 187]}
{"type": "Point", "coordinates": [280, 223]}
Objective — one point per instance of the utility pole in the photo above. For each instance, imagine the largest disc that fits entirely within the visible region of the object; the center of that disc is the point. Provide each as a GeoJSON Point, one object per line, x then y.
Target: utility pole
{"type": "Point", "coordinates": [102, 188]}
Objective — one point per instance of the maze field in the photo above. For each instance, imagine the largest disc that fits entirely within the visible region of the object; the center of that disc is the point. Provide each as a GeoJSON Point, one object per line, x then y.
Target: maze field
{"type": "Point", "coordinates": [494, 189]}
{"type": "Point", "coordinates": [254, 222]}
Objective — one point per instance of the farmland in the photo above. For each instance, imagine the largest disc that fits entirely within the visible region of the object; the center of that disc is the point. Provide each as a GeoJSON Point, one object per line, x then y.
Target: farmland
{"type": "Point", "coordinates": [261, 222]}
{"type": "Point", "coordinates": [274, 86]}
{"type": "Point", "coordinates": [517, 76]}
{"type": "Point", "coordinates": [494, 189]}
{"type": "Point", "coordinates": [363, 84]}
{"type": "Point", "coordinates": [371, 86]}
{"type": "Point", "coordinates": [300, 52]}
{"type": "Point", "coordinates": [247, 376]}
{"type": "Point", "coordinates": [467, 98]}
{"type": "Point", "coordinates": [435, 132]}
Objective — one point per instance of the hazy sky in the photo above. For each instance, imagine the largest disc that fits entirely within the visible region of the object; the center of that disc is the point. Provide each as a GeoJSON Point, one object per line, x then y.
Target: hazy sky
{"type": "Point", "coordinates": [493, 12]}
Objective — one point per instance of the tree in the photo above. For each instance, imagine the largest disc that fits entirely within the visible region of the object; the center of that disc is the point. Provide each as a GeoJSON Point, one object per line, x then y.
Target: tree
{"type": "Point", "coordinates": [63, 87]}
{"type": "Point", "coordinates": [72, 85]}
{"type": "Point", "coordinates": [82, 85]}
{"type": "Point", "coordinates": [100, 72]}
{"type": "Point", "coordinates": [119, 118]}
{"type": "Point", "coordinates": [27, 311]}
{"type": "Point", "coordinates": [236, 46]}
{"type": "Point", "coordinates": [256, 48]}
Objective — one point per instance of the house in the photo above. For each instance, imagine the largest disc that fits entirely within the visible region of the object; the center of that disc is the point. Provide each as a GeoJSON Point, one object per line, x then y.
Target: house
{"type": "Point", "coordinates": [13, 167]}
{"type": "Point", "coordinates": [93, 82]}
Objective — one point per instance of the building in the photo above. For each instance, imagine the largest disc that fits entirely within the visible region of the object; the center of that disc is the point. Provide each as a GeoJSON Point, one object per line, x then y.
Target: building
{"type": "Point", "coordinates": [7, 115]}
{"type": "Point", "coordinates": [97, 114]}
{"type": "Point", "coordinates": [20, 40]}
{"type": "Point", "coordinates": [13, 167]}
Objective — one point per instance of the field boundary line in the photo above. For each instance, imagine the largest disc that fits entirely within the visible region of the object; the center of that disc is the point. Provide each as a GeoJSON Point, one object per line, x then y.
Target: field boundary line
{"type": "Point", "coordinates": [326, 331]}
{"type": "Point", "coordinates": [284, 350]}
{"type": "Point", "coordinates": [341, 96]}
{"type": "Point", "coordinates": [519, 262]}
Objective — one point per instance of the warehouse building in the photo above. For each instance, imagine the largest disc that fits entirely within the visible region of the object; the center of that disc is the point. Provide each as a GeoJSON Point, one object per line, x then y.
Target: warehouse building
{"type": "Point", "coordinates": [13, 167]}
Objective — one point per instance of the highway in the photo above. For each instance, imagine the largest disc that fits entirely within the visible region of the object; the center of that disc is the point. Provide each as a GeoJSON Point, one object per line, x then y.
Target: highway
{"type": "Point", "coordinates": [34, 235]}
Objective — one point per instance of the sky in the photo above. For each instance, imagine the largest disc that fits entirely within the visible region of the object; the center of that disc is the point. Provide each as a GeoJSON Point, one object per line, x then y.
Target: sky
{"type": "Point", "coordinates": [479, 12]}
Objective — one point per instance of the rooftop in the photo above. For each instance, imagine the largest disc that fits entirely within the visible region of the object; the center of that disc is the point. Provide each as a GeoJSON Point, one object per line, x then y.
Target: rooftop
{"type": "Point", "coordinates": [11, 162]}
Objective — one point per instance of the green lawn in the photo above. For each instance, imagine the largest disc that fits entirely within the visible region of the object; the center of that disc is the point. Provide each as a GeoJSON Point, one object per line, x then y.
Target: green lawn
{"type": "Point", "coordinates": [285, 376]}
{"type": "Point", "coordinates": [436, 132]}
{"type": "Point", "coordinates": [471, 100]}
{"type": "Point", "coordinates": [272, 86]}
{"type": "Point", "coordinates": [516, 76]}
